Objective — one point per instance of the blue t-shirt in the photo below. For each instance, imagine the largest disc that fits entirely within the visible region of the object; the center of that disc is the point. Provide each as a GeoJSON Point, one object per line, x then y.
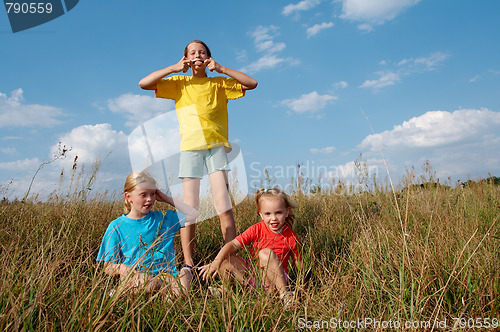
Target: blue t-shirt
{"type": "Point", "coordinates": [149, 241]}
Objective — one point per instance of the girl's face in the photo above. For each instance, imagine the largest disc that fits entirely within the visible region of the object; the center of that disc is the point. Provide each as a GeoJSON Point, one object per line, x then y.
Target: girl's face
{"type": "Point", "coordinates": [273, 212]}
{"type": "Point", "coordinates": [141, 200]}
{"type": "Point", "coordinates": [197, 53]}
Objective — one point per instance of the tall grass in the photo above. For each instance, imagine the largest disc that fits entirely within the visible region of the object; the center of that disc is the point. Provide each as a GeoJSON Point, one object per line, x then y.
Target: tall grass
{"type": "Point", "coordinates": [424, 253]}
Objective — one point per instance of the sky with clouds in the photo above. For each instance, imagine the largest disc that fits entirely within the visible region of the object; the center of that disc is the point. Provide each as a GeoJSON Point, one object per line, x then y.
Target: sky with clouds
{"type": "Point", "coordinates": [399, 82]}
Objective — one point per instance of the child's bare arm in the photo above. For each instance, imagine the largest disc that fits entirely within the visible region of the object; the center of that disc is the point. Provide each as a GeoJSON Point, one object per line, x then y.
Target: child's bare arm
{"type": "Point", "coordinates": [247, 82]}
{"type": "Point", "coordinates": [132, 278]}
{"type": "Point", "coordinates": [210, 270]}
{"type": "Point", "coordinates": [191, 213]}
{"type": "Point", "coordinates": [114, 269]}
{"type": "Point", "coordinates": [149, 82]}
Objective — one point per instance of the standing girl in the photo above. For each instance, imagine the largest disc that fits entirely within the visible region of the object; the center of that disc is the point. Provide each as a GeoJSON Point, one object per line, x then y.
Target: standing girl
{"type": "Point", "coordinates": [201, 105]}
{"type": "Point", "coordinates": [139, 245]}
{"type": "Point", "coordinates": [273, 243]}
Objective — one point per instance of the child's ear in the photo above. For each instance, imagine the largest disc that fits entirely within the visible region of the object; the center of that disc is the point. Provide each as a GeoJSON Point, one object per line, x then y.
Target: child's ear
{"type": "Point", "coordinates": [127, 196]}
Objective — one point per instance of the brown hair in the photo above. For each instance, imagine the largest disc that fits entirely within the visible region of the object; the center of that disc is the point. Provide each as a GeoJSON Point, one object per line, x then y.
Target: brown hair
{"type": "Point", "coordinates": [198, 42]}
{"type": "Point", "coordinates": [276, 193]}
{"type": "Point", "coordinates": [133, 180]}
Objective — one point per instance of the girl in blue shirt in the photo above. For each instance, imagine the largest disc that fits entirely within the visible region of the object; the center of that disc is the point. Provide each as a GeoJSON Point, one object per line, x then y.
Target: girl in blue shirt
{"type": "Point", "coordinates": [139, 245]}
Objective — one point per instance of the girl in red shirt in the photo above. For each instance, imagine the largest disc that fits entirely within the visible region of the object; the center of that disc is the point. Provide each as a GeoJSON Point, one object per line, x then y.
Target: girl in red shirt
{"type": "Point", "coordinates": [272, 242]}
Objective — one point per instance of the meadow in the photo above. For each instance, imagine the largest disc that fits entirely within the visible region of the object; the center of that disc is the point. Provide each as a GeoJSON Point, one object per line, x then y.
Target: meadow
{"type": "Point", "coordinates": [425, 256]}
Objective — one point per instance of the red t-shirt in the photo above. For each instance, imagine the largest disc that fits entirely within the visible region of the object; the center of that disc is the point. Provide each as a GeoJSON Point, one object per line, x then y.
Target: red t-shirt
{"type": "Point", "coordinates": [284, 244]}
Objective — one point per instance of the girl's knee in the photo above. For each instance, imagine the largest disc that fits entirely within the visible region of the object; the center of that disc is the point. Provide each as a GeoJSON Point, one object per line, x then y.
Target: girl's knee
{"type": "Point", "coordinates": [225, 266]}
{"type": "Point", "coordinates": [231, 263]}
{"type": "Point", "coordinates": [222, 203]}
{"type": "Point", "coordinates": [266, 254]}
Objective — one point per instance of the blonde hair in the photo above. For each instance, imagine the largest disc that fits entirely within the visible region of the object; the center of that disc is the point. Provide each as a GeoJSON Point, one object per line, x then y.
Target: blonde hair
{"type": "Point", "coordinates": [276, 193]}
{"type": "Point", "coordinates": [133, 180]}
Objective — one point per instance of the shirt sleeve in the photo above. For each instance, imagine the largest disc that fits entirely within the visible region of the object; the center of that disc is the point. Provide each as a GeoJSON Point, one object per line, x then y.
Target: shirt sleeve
{"type": "Point", "coordinates": [247, 237]}
{"type": "Point", "coordinates": [168, 88]}
{"type": "Point", "coordinates": [232, 88]}
{"type": "Point", "coordinates": [110, 250]}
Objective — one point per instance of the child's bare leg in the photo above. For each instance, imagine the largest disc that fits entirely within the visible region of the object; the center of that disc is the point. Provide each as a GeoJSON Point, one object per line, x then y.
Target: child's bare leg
{"type": "Point", "coordinates": [191, 188]}
{"type": "Point", "coordinates": [140, 281]}
{"type": "Point", "coordinates": [227, 225]}
{"type": "Point", "coordinates": [181, 286]}
{"type": "Point", "coordinates": [222, 204]}
{"type": "Point", "coordinates": [233, 266]}
{"type": "Point", "coordinates": [185, 277]}
{"type": "Point", "coordinates": [273, 270]}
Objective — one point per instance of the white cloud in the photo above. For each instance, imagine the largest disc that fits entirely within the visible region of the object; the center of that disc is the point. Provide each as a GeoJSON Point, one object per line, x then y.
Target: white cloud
{"type": "Point", "coordinates": [264, 42]}
{"type": "Point", "coordinates": [8, 150]}
{"type": "Point", "coordinates": [14, 113]}
{"type": "Point", "coordinates": [385, 79]}
{"type": "Point", "coordinates": [93, 142]}
{"type": "Point", "coordinates": [474, 79]}
{"type": "Point", "coordinates": [373, 12]}
{"type": "Point", "coordinates": [423, 64]}
{"type": "Point", "coordinates": [340, 85]}
{"type": "Point", "coordinates": [264, 33]}
{"type": "Point", "coordinates": [311, 102]}
{"type": "Point", "coordinates": [265, 62]}
{"type": "Point", "coordinates": [325, 150]}
{"type": "Point", "coordinates": [403, 68]}
{"type": "Point", "coordinates": [300, 6]}
{"type": "Point", "coordinates": [315, 29]}
{"type": "Point", "coordinates": [270, 46]}
{"type": "Point", "coordinates": [93, 145]}
{"type": "Point", "coordinates": [347, 173]}
{"type": "Point", "coordinates": [139, 108]}
{"type": "Point", "coordinates": [460, 142]}
{"type": "Point", "coordinates": [21, 165]}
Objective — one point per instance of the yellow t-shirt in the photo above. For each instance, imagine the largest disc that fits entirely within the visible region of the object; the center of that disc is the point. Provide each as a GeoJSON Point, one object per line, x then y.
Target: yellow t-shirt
{"type": "Point", "coordinates": [201, 105]}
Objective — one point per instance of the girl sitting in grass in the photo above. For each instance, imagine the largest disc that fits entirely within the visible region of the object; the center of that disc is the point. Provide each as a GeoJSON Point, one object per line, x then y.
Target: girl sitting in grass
{"type": "Point", "coordinates": [273, 243]}
{"type": "Point", "coordinates": [139, 245]}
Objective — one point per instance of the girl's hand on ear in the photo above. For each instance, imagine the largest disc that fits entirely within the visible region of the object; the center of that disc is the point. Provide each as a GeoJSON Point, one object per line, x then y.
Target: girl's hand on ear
{"type": "Point", "coordinates": [212, 65]}
{"type": "Point", "coordinates": [162, 197]}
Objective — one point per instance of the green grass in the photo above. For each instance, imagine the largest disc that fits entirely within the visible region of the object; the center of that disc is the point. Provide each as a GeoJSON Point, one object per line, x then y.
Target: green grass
{"type": "Point", "coordinates": [426, 253]}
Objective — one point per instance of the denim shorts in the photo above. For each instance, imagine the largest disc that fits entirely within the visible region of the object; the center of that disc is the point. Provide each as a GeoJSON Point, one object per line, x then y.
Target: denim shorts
{"type": "Point", "coordinates": [192, 163]}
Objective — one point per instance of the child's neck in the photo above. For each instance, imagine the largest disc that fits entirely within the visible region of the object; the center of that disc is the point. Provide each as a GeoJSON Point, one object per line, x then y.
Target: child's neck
{"type": "Point", "coordinates": [199, 73]}
{"type": "Point", "coordinates": [135, 215]}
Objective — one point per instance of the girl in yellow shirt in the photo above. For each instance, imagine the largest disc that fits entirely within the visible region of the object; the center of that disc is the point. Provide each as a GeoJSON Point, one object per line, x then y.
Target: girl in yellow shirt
{"type": "Point", "coordinates": [201, 106]}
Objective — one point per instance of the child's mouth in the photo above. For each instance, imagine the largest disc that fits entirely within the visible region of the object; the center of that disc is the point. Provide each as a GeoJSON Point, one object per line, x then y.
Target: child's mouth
{"type": "Point", "coordinates": [197, 62]}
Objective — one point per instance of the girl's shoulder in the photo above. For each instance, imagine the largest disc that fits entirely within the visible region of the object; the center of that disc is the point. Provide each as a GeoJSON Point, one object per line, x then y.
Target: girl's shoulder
{"type": "Point", "coordinates": [169, 218]}
{"type": "Point", "coordinates": [289, 232]}
{"type": "Point", "coordinates": [120, 220]}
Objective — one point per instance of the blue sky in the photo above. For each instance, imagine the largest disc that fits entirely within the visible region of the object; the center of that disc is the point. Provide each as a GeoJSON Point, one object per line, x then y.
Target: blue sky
{"type": "Point", "coordinates": [425, 73]}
